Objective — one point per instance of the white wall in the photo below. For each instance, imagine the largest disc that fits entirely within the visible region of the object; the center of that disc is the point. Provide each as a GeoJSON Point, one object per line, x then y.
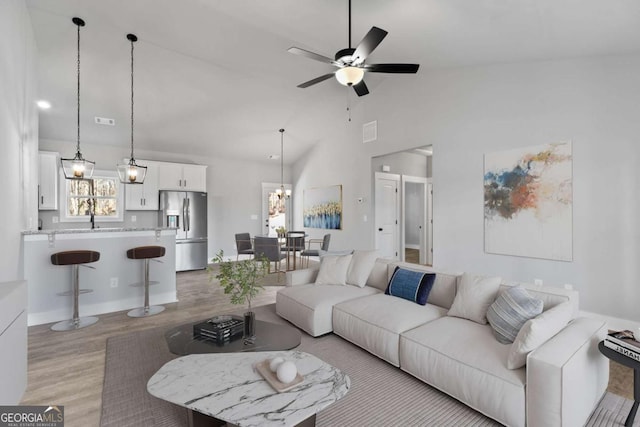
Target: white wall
{"type": "Point", "coordinates": [403, 163]}
{"type": "Point", "coordinates": [18, 134]}
{"type": "Point", "coordinates": [233, 187]}
{"type": "Point", "coordinates": [465, 113]}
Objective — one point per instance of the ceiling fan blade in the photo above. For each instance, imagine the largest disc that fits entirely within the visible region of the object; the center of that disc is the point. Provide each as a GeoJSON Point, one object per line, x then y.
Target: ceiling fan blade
{"type": "Point", "coordinates": [391, 68]}
{"type": "Point", "coordinates": [311, 55]}
{"type": "Point", "coordinates": [368, 44]}
{"type": "Point", "coordinates": [316, 80]}
{"type": "Point", "coordinates": [361, 88]}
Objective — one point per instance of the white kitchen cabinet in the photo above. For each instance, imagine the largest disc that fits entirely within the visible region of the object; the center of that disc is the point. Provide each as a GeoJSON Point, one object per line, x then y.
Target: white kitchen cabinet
{"type": "Point", "coordinates": [143, 197]}
{"type": "Point", "coordinates": [177, 176]}
{"type": "Point", "coordinates": [47, 180]}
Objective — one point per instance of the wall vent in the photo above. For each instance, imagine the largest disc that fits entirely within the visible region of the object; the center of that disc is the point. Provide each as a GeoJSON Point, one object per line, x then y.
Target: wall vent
{"type": "Point", "coordinates": [105, 121]}
{"type": "Point", "coordinates": [369, 132]}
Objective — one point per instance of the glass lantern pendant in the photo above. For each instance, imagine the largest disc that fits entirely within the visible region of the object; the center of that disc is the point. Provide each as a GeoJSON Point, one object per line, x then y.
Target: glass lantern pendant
{"type": "Point", "coordinates": [131, 172]}
{"type": "Point", "coordinates": [77, 167]}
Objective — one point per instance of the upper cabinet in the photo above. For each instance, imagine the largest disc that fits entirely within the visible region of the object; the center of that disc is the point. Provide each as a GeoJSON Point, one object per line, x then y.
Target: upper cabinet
{"type": "Point", "coordinates": [176, 176]}
{"type": "Point", "coordinates": [47, 180]}
{"type": "Point", "coordinates": [143, 197]}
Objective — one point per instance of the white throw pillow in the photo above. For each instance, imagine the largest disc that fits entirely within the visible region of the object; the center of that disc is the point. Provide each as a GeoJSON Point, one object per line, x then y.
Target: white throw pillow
{"type": "Point", "coordinates": [360, 267]}
{"type": "Point", "coordinates": [475, 295]}
{"type": "Point", "coordinates": [537, 331]}
{"type": "Point", "coordinates": [333, 270]}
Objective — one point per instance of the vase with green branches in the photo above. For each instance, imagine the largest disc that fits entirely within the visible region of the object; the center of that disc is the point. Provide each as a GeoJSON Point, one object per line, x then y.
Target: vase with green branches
{"type": "Point", "coordinates": [240, 280]}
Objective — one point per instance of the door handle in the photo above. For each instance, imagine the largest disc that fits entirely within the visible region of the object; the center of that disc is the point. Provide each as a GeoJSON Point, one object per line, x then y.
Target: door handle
{"type": "Point", "coordinates": [42, 200]}
{"type": "Point", "coordinates": [184, 215]}
{"type": "Point", "coordinates": [379, 229]}
{"type": "Point", "coordinates": [188, 214]}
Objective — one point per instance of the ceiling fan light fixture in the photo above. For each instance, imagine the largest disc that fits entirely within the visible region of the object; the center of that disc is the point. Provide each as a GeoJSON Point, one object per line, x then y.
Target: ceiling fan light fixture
{"type": "Point", "coordinates": [350, 76]}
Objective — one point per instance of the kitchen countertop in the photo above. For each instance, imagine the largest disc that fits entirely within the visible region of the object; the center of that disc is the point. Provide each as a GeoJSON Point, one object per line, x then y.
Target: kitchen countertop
{"type": "Point", "coordinates": [95, 230]}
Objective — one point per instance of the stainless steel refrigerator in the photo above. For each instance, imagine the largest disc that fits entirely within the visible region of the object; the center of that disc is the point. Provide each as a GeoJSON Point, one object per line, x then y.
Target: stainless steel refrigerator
{"type": "Point", "coordinates": [186, 211]}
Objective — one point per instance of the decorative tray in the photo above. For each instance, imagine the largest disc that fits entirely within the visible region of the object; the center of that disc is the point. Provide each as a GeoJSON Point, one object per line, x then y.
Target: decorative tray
{"type": "Point", "coordinates": [272, 379]}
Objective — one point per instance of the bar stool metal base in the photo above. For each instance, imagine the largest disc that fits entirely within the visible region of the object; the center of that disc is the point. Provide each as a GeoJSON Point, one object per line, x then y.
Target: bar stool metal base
{"type": "Point", "coordinates": [70, 325]}
{"type": "Point", "coordinates": [146, 311]}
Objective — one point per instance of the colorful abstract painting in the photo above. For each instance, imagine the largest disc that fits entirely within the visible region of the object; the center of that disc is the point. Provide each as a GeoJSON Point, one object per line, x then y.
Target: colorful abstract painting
{"type": "Point", "coordinates": [322, 207]}
{"type": "Point", "coordinates": [528, 202]}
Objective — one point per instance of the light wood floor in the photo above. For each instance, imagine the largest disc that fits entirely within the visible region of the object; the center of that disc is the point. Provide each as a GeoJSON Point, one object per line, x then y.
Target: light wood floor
{"type": "Point", "coordinates": [67, 368]}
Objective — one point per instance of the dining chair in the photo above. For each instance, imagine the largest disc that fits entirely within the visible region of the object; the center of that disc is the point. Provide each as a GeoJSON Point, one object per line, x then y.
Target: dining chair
{"type": "Point", "coordinates": [294, 243]}
{"type": "Point", "coordinates": [243, 245]}
{"type": "Point", "coordinates": [269, 248]}
{"type": "Point", "coordinates": [324, 247]}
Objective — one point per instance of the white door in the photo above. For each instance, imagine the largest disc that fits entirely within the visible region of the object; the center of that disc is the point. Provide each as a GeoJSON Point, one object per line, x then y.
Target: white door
{"type": "Point", "coordinates": [414, 216]}
{"type": "Point", "coordinates": [387, 213]}
{"type": "Point", "coordinates": [274, 209]}
{"type": "Point", "coordinates": [429, 222]}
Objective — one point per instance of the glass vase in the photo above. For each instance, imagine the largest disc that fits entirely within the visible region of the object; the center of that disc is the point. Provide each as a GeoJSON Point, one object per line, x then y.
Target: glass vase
{"type": "Point", "coordinates": [249, 335]}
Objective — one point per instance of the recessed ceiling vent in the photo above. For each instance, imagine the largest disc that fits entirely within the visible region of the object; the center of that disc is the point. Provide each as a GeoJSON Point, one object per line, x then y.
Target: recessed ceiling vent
{"type": "Point", "coordinates": [105, 121]}
{"type": "Point", "coordinates": [369, 132]}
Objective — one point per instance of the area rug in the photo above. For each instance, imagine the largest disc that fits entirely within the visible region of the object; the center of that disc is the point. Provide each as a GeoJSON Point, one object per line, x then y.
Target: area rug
{"type": "Point", "coordinates": [380, 394]}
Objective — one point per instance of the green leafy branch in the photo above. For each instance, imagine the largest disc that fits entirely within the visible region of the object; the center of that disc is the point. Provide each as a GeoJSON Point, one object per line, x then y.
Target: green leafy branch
{"type": "Point", "coordinates": [240, 278]}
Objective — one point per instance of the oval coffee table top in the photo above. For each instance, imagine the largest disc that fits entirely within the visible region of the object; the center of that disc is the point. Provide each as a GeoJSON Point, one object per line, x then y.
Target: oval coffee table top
{"type": "Point", "coordinates": [227, 387]}
{"type": "Point", "coordinates": [269, 337]}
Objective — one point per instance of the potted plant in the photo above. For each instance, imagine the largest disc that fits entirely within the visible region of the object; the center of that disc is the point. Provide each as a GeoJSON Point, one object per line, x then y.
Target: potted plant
{"type": "Point", "coordinates": [240, 280]}
{"type": "Point", "coordinates": [281, 231]}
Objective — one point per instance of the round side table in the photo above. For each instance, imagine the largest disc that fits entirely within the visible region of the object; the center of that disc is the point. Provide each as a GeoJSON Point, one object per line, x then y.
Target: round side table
{"type": "Point", "coordinates": [628, 362]}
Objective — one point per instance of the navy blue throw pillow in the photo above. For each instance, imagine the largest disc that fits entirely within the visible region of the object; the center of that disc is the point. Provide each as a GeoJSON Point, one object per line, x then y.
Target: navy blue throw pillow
{"type": "Point", "coordinates": [411, 285]}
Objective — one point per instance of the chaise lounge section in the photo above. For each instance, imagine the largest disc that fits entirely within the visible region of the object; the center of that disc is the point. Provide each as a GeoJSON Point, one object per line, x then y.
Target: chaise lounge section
{"type": "Point", "coordinates": [562, 379]}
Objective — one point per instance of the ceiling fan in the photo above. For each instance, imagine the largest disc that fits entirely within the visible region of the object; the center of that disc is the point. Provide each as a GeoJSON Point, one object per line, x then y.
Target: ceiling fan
{"type": "Point", "coordinates": [351, 62]}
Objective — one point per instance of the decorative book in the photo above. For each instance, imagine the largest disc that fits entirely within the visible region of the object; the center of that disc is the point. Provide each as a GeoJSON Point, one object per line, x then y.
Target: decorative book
{"type": "Point", "coordinates": [220, 329]}
{"type": "Point", "coordinates": [624, 339]}
{"type": "Point", "coordinates": [622, 350]}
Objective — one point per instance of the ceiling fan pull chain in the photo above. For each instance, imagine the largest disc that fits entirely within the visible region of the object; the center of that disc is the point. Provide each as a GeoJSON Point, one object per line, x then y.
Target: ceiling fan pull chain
{"type": "Point", "coordinates": [348, 104]}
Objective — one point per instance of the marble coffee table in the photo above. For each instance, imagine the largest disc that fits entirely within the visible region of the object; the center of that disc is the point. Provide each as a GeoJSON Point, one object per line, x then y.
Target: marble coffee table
{"type": "Point", "coordinates": [227, 388]}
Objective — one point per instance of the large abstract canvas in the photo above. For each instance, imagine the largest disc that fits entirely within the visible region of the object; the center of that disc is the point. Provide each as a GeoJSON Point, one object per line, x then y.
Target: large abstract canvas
{"type": "Point", "coordinates": [323, 207]}
{"type": "Point", "coordinates": [528, 202]}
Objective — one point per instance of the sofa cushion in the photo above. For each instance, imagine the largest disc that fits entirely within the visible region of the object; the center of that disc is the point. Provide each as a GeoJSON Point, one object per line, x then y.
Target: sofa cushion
{"type": "Point", "coordinates": [362, 263]}
{"type": "Point", "coordinates": [378, 277]}
{"type": "Point", "coordinates": [376, 322]}
{"type": "Point", "coordinates": [333, 269]}
{"type": "Point", "coordinates": [309, 307]}
{"type": "Point", "coordinates": [536, 332]}
{"type": "Point", "coordinates": [411, 285]}
{"type": "Point", "coordinates": [475, 295]}
{"type": "Point", "coordinates": [463, 359]}
{"type": "Point", "coordinates": [513, 307]}
{"type": "Point", "coordinates": [443, 291]}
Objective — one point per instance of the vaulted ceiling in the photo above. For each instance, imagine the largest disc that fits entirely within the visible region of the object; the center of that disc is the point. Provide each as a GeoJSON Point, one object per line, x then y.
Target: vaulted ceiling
{"type": "Point", "coordinates": [213, 77]}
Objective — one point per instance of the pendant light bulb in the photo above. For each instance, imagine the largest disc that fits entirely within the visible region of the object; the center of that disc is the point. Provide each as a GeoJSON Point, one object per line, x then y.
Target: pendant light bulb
{"type": "Point", "coordinates": [131, 172]}
{"type": "Point", "coordinates": [77, 167]}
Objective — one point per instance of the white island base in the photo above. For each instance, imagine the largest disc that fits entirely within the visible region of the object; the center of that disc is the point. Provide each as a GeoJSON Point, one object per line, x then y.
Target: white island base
{"type": "Point", "coordinates": [110, 278]}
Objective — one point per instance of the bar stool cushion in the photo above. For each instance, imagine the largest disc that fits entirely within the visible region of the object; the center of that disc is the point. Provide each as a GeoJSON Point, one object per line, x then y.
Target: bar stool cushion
{"type": "Point", "coordinates": [74, 257]}
{"type": "Point", "coordinates": [144, 252]}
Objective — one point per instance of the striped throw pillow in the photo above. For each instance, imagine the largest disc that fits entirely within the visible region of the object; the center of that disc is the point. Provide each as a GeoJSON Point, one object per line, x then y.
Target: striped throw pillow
{"type": "Point", "coordinates": [510, 312]}
{"type": "Point", "coordinates": [411, 285]}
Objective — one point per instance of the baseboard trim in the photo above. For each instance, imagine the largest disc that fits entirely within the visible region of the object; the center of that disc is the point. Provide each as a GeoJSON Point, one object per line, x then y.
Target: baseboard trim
{"type": "Point", "coordinates": [408, 246]}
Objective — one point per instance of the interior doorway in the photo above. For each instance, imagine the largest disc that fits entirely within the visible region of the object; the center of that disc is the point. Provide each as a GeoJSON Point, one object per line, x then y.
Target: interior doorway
{"type": "Point", "coordinates": [413, 204]}
{"type": "Point", "coordinates": [275, 210]}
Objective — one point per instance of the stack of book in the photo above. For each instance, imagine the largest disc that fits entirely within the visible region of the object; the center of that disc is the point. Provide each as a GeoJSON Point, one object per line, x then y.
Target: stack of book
{"type": "Point", "coordinates": [219, 329]}
{"type": "Point", "coordinates": [624, 343]}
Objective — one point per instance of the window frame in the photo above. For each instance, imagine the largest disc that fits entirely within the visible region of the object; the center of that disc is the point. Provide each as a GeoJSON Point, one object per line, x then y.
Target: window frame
{"type": "Point", "coordinates": [97, 174]}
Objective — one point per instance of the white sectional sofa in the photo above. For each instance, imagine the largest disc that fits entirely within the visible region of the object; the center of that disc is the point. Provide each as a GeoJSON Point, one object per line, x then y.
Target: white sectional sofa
{"type": "Point", "coordinates": [562, 381]}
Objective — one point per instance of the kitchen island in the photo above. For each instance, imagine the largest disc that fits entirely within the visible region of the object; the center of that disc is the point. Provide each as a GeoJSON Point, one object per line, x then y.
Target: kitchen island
{"type": "Point", "coordinates": [110, 278]}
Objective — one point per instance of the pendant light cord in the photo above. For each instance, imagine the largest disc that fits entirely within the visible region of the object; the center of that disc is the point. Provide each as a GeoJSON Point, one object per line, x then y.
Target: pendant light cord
{"type": "Point", "coordinates": [78, 92]}
{"type": "Point", "coordinates": [282, 159]}
{"type": "Point", "coordinates": [132, 159]}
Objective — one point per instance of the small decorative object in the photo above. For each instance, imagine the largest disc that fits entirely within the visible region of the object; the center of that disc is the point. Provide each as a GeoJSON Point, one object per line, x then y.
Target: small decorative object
{"type": "Point", "coordinates": [281, 231]}
{"type": "Point", "coordinates": [274, 363]}
{"type": "Point", "coordinates": [272, 377]}
{"type": "Point", "coordinates": [240, 280]}
{"type": "Point", "coordinates": [286, 372]}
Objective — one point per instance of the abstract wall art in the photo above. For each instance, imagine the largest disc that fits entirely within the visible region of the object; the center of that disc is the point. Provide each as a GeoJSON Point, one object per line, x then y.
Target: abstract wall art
{"type": "Point", "coordinates": [528, 206]}
{"type": "Point", "coordinates": [323, 207]}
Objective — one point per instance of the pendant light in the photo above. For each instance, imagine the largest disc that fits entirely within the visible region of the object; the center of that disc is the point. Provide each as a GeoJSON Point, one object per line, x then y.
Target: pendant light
{"type": "Point", "coordinates": [78, 167]}
{"type": "Point", "coordinates": [131, 172]}
{"type": "Point", "coordinates": [281, 192]}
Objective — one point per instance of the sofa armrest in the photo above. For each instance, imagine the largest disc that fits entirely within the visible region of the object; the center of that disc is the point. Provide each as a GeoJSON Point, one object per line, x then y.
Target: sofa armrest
{"type": "Point", "coordinates": [567, 375]}
{"type": "Point", "coordinates": [301, 277]}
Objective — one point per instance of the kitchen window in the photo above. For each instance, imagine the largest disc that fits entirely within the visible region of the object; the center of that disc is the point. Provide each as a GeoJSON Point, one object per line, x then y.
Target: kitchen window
{"type": "Point", "coordinates": [107, 194]}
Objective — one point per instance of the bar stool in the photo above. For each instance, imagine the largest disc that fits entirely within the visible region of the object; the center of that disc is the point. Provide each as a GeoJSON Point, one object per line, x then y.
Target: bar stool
{"type": "Point", "coordinates": [75, 259]}
{"type": "Point", "coordinates": [146, 253]}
